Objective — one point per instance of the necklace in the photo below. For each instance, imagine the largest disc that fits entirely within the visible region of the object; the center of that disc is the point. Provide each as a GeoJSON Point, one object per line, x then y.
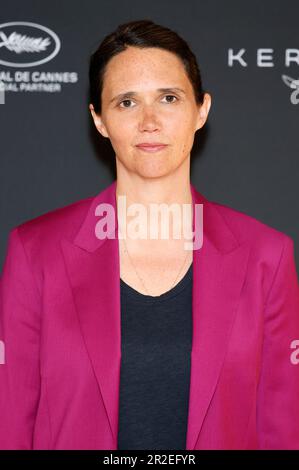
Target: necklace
{"type": "Point", "coordinates": [140, 278]}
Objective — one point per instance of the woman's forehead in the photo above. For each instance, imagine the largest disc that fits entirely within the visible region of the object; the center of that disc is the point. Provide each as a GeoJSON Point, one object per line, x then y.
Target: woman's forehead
{"type": "Point", "coordinates": [144, 76]}
{"type": "Point", "coordinates": [144, 62]}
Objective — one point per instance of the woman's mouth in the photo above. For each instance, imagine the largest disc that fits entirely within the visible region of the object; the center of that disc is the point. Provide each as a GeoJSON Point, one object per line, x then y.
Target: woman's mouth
{"type": "Point", "coordinates": [151, 147]}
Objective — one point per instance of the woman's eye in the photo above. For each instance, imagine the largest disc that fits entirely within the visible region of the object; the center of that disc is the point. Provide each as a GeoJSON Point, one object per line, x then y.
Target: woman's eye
{"type": "Point", "coordinates": [125, 101]}
{"type": "Point", "coordinates": [171, 96]}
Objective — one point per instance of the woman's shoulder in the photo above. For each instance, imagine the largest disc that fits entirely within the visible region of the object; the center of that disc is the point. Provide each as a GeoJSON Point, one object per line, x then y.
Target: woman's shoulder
{"type": "Point", "coordinates": [49, 227]}
{"type": "Point", "coordinates": [267, 243]}
{"type": "Point", "coordinates": [39, 238]}
{"type": "Point", "coordinates": [66, 217]}
{"type": "Point", "coordinates": [248, 228]}
{"type": "Point", "coordinates": [62, 222]}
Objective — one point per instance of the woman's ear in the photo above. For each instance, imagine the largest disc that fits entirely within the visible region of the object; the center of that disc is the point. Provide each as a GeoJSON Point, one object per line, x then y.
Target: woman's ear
{"type": "Point", "coordinates": [204, 111]}
{"type": "Point", "coordinates": [98, 122]}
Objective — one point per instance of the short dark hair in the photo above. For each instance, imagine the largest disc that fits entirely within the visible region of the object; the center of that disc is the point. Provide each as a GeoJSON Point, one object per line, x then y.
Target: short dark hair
{"type": "Point", "coordinates": [141, 33]}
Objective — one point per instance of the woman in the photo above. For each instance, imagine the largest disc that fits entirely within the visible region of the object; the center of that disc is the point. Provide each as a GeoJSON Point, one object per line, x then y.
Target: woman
{"type": "Point", "coordinates": [114, 341]}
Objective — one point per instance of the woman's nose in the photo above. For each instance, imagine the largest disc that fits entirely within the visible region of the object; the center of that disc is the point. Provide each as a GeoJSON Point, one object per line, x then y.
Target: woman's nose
{"type": "Point", "coordinates": [149, 119]}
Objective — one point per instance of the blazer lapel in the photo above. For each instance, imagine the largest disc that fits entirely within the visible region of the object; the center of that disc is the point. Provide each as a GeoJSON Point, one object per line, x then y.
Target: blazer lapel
{"type": "Point", "coordinates": [93, 270]}
{"type": "Point", "coordinates": [219, 269]}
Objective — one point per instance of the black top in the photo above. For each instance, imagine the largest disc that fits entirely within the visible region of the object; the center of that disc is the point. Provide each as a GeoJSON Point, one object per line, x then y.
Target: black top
{"type": "Point", "coordinates": [156, 342]}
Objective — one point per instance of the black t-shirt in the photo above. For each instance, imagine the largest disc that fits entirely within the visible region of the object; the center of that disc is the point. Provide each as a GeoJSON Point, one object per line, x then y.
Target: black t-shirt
{"type": "Point", "coordinates": [156, 342]}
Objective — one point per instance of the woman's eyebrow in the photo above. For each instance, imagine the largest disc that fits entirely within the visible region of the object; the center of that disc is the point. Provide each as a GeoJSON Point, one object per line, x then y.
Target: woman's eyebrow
{"type": "Point", "coordinates": [130, 94]}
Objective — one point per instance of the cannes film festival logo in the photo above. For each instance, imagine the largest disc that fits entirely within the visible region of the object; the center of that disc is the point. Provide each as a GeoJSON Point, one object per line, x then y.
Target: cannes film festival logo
{"type": "Point", "coordinates": [294, 84]}
{"type": "Point", "coordinates": [24, 44]}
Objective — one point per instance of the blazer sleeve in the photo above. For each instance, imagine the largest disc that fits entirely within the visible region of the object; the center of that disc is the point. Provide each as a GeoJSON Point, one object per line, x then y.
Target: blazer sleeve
{"type": "Point", "coordinates": [278, 389]}
{"type": "Point", "coordinates": [20, 304]}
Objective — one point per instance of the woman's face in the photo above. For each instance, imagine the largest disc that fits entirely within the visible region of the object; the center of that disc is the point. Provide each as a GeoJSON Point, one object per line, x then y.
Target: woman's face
{"type": "Point", "coordinates": [148, 114]}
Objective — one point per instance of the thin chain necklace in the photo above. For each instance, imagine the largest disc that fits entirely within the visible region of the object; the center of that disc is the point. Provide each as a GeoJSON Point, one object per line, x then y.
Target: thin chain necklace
{"type": "Point", "coordinates": [140, 278]}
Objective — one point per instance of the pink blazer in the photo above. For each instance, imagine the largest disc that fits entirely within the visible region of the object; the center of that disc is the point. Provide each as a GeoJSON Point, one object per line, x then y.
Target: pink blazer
{"type": "Point", "coordinates": [60, 328]}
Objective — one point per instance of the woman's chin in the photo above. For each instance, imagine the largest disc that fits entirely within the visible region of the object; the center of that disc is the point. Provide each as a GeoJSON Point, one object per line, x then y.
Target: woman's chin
{"type": "Point", "coordinates": [153, 168]}
{"type": "Point", "coordinates": [153, 172]}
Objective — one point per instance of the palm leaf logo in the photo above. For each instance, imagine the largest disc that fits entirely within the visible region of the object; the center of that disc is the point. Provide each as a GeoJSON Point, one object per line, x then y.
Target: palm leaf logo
{"type": "Point", "coordinates": [22, 43]}
{"type": "Point", "coordinates": [290, 82]}
{"type": "Point", "coordinates": [294, 84]}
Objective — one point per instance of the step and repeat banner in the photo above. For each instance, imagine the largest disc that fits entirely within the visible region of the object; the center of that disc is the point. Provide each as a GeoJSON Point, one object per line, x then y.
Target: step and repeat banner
{"type": "Point", "coordinates": [246, 156]}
